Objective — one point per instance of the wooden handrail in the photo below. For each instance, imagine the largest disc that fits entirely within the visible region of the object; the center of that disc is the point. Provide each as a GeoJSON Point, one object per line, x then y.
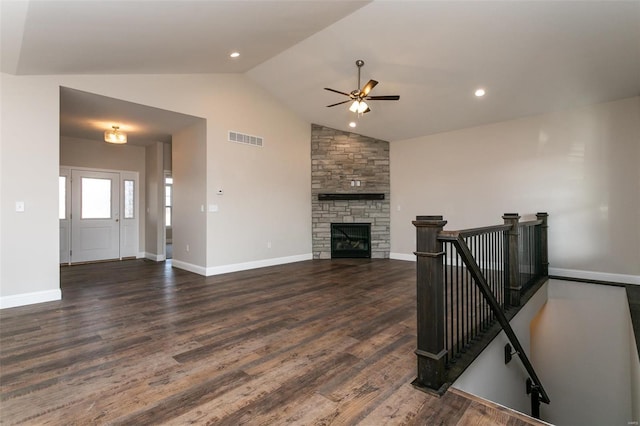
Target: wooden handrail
{"type": "Point", "coordinates": [530, 223]}
{"type": "Point", "coordinates": [472, 232]}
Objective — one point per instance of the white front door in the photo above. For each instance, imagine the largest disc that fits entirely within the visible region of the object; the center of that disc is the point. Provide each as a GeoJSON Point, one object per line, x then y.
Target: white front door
{"type": "Point", "coordinates": [95, 216]}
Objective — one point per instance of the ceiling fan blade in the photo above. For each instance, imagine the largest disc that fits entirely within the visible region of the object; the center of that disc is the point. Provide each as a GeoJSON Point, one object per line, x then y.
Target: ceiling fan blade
{"type": "Point", "coordinates": [337, 91]}
{"type": "Point", "coordinates": [339, 103]}
{"type": "Point", "coordinates": [384, 98]}
{"type": "Point", "coordinates": [366, 110]}
{"type": "Point", "coordinates": [367, 88]}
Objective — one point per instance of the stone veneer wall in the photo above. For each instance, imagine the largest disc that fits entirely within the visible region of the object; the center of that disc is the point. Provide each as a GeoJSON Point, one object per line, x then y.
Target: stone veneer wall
{"type": "Point", "coordinates": [337, 158]}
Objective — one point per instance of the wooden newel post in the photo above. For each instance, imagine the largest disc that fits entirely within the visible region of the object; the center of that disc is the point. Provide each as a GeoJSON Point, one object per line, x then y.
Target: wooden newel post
{"type": "Point", "coordinates": [513, 261]}
{"type": "Point", "coordinates": [544, 249]}
{"type": "Point", "coordinates": [430, 300]}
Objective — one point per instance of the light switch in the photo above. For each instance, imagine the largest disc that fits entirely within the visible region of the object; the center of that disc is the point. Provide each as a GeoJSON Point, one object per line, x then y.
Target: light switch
{"type": "Point", "coordinates": [20, 206]}
{"type": "Point", "coordinates": [213, 208]}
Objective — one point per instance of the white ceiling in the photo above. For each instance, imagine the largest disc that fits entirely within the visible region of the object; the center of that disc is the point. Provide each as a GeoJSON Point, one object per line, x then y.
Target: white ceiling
{"type": "Point", "coordinates": [531, 57]}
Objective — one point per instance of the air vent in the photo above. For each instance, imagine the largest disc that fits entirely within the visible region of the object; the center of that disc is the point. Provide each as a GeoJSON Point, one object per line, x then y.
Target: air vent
{"type": "Point", "coordinates": [245, 139]}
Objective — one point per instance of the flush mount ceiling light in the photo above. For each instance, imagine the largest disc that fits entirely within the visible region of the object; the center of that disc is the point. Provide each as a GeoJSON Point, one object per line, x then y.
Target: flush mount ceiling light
{"type": "Point", "coordinates": [352, 124]}
{"type": "Point", "coordinates": [480, 93]}
{"type": "Point", "coordinates": [115, 136]}
{"type": "Point", "coordinates": [235, 54]}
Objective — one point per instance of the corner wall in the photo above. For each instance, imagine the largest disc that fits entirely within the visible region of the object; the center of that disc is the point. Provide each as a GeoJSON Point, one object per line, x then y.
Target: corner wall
{"type": "Point", "coordinates": [189, 198]}
{"type": "Point", "coordinates": [154, 200]}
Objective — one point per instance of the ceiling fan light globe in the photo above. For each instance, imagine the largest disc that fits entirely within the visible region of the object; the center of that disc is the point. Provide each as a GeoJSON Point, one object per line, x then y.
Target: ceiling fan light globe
{"type": "Point", "coordinates": [362, 107]}
{"type": "Point", "coordinates": [355, 106]}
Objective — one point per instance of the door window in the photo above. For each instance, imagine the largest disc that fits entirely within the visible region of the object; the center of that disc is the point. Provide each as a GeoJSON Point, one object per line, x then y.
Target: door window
{"type": "Point", "coordinates": [96, 198]}
{"type": "Point", "coordinates": [129, 197]}
{"type": "Point", "coordinates": [62, 197]}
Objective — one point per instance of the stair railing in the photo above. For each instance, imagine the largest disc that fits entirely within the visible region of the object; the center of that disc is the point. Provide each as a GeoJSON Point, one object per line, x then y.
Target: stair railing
{"type": "Point", "coordinates": [465, 282]}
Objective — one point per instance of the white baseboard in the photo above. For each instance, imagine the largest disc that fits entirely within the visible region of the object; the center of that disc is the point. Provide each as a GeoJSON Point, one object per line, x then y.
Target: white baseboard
{"type": "Point", "coordinates": [402, 256]}
{"type": "Point", "coordinates": [140, 255]}
{"type": "Point", "coordinates": [200, 270]}
{"type": "Point", "coordinates": [225, 269]}
{"type": "Point", "coordinates": [155, 257]}
{"type": "Point", "coordinates": [597, 276]}
{"type": "Point", "coordinates": [30, 298]}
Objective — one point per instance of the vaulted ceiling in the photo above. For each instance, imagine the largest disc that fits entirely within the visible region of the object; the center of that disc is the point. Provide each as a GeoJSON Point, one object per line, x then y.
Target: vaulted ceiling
{"type": "Point", "coordinates": [530, 57]}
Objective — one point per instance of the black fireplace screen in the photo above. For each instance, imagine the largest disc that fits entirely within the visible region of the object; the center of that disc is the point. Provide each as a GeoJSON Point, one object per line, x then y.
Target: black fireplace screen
{"type": "Point", "coordinates": [350, 240]}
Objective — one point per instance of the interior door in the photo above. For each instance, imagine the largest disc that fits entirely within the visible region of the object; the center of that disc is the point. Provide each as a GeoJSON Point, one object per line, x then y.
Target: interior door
{"type": "Point", "coordinates": [95, 216]}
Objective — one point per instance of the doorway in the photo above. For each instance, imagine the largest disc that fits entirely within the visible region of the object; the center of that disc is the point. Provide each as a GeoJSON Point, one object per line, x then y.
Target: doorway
{"type": "Point", "coordinates": [98, 215]}
{"type": "Point", "coordinates": [168, 210]}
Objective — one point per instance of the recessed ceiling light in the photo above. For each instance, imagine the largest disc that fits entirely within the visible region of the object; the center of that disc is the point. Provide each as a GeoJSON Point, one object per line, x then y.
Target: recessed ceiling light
{"type": "Point", "coordinates": [235, 54]}
{"type": "Point", "coordinates": [352, 124]}
{"type": "Point", "coordinates": [480, 93]}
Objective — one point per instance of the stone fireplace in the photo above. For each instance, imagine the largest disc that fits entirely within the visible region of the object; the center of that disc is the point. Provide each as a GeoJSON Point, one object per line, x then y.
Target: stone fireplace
{"type": "Point", "coordinates": [349, 184]}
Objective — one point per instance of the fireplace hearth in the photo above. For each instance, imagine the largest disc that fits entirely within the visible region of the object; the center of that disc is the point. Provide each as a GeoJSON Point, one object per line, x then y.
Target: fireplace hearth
{"type": "Point", "coordinates": [350, 240]}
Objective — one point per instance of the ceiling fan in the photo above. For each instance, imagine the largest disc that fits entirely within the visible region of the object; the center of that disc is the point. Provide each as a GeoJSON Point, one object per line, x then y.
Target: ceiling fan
{"type": "Point", "coordinates": [359, 96]}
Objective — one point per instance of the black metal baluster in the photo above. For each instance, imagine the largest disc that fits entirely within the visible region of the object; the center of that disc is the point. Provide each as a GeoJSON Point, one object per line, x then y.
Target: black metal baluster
{"type": "Point", "coordinates": [475, 299]}
{"type": "Point", "coordinates": [459, 305]}
{"type": "Point", "coordinates": [454, 354]}
{"type": "Point", "coordinates": [482, 307]}
{"type": "Point", "coordinates": [447, 247]}
{"type": "Point", "coordinates": [485, 255]}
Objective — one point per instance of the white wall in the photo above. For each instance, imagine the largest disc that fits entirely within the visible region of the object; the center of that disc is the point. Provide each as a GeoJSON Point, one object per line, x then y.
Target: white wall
{"type": "Point", "coordinates": [580, 347]}
{"type": "Point", "coordinates": [488, 377]}
{"type": "Point", "coordinates": [266, 190]}
{"type": "Point", "coordinates": [190, 198]}
{"type": "Point", "coordinates": [581, 166]}
{"type": "Point", "coordinates": [154, 213]}
{"type": "Point", "coordinates": [76, 152]}
{"type": "Point", "coordinates": [29, 144]}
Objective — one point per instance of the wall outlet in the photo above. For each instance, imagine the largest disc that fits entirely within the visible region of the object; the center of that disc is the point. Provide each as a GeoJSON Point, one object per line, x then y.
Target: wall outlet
{"type": "Point", "coordinates": [187, 248]}
{"type": "Point", "coordinates": [268, 244]}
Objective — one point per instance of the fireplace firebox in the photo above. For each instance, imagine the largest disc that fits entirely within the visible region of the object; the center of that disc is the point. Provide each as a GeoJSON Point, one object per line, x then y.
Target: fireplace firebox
{"type": "Point", "coordinates": [350, 240]}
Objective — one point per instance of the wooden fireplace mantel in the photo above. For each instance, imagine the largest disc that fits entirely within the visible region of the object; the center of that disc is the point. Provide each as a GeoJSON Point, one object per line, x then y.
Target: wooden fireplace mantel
{"type": "Point", "coordinates": [350, 196]}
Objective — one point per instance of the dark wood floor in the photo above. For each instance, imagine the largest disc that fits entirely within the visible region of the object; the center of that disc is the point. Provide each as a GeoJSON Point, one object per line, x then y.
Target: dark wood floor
{"type": "Point", "coordinates": [310, 343]}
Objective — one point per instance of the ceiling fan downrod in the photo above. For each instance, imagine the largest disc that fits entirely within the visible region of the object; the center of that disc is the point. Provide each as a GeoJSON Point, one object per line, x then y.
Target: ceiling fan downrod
{"type": "Point", "coordinates": [359, 64]}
